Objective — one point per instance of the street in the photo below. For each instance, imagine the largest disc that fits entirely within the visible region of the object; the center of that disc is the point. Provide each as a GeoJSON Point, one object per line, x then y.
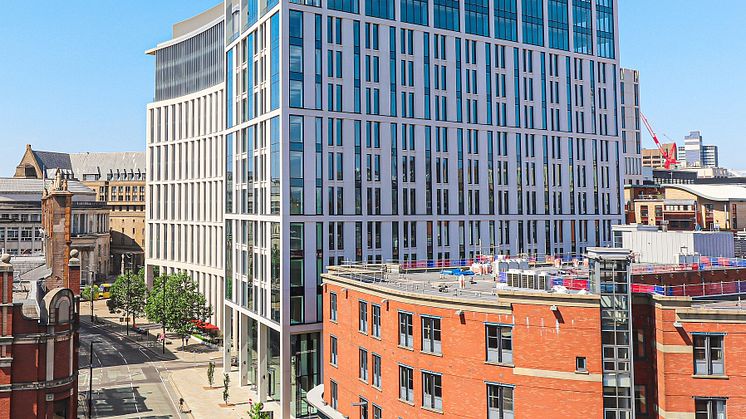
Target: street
{"type": "Point", "coordinates": [127, 381]}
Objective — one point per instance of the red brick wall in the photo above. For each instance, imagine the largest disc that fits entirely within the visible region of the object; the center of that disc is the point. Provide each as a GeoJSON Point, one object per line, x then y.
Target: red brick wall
{"type": "Point", "coordinates": [668, 373]}
{"type": "Point", "coordinates": [539, 342]}
{"type": "Point", "coordinates": [691, 277]}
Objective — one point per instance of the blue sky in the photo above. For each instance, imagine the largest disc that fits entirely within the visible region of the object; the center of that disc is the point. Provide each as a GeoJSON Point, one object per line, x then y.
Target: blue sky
{"type": "Point", "coordinates": [74, 76]}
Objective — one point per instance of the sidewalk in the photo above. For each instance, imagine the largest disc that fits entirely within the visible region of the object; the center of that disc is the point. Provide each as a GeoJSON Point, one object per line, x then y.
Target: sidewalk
{"type": "Point", "coordinates": [194, 351]}
{"type": "Point", "coordinates": [185, 370]}
{"type": "Point", "coordinates": [205, 402]}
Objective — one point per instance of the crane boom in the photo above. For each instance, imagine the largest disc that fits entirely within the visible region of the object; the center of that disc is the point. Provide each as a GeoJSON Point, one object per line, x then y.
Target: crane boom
{"type": "Point", "coordinates": [668, 159]}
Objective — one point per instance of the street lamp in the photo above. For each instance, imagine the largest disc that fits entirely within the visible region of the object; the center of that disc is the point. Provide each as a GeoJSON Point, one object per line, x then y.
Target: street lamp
{"type": "Point", "coordinates": [163, 316]}
{"type": "Point", "coordinates": [90, 380]}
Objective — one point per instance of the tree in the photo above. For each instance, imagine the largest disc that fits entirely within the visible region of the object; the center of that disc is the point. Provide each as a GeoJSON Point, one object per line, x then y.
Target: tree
{"type": "Point", "coordinates": [88, 291]}
{"type": "Point", "coordinates": [255, 411]}
{"type": "Point", "coordinates": [226, 383]}
{"type": "Point", "coordinates": [128, 293]}
{"type": "Point", "coordinates": [211, 373]}
{"type": "Point", "coordinates": [175, 301]}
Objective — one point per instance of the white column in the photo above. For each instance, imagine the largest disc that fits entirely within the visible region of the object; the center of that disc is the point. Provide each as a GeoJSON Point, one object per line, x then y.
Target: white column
{"type": "Point", "coordinates": [227, 339]}
{"type": "Point", "coordinates": [243, 347]}
{"type": "Point", "coordinates": [262, 338]}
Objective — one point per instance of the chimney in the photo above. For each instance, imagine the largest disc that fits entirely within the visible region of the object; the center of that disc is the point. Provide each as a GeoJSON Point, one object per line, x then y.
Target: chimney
{"type": "Point", "coordinates": [56, 218]}
{"type": "Point", "coordinates": [73, 273]}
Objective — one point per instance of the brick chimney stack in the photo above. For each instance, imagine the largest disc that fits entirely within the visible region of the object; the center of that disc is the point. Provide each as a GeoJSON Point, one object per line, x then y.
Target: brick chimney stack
{"type": "Point", "coordinates": [73, 274]}
{"type": "Point", "coordinates": [56, 213]}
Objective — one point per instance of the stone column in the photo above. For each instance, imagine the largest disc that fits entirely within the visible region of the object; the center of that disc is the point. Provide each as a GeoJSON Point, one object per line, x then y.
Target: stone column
{"type": "Point", "coordinates": [227, 339]}
{"type": "Point", "coordinates": [243, 349]}
{"type": "Point", "coordinates": [262, 355]}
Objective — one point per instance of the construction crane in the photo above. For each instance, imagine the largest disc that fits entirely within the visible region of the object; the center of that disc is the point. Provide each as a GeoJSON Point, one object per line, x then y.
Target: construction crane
{"type": "Point", "coordinates": [668, 159]}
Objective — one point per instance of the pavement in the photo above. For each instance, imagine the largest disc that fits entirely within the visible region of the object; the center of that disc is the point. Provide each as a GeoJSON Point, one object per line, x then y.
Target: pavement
{"type": "Point", "coordinates": [133, 378]}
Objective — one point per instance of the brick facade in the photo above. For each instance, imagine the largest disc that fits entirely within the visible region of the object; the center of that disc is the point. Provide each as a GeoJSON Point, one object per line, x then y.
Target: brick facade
{"type": "Point", "coordinates": [38, 355]}
{"type": "Point", "coordinates": [545, 346]}
{"type": "Point", "coordinates": [549, 332]}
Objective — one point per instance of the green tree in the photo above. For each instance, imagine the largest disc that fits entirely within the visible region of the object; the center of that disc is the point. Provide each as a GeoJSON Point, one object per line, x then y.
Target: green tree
{"type": "Point", "coordinates": [88, 291]}
{"type": "Point", "coordinates": [255, 411]}
{"type": "Point", "coordinates": [211, 373]}
{"type": "Point", "coordinates": [226, 384]}
{"type": "Point", "coordinates": [129, 294]}
{"type": "Point", "coordinates": [176, 301]}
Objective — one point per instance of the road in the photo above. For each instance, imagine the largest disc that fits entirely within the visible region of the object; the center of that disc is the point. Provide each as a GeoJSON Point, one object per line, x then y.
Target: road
{"type": "Point", "coordinates": [127, 381]}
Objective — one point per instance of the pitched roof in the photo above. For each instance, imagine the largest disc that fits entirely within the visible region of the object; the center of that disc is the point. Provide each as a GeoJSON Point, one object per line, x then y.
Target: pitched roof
{"type": "Point", "coordinates": [51, 160]}
{"type": "Point", "coordinates": [78, 165]}
{"type": "Point", "coordinates": [15, 189]}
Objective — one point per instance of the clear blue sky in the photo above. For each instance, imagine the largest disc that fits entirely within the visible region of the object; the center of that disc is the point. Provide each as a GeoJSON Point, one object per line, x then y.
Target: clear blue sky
{"type": "Point", "coordinates": [74, 76]}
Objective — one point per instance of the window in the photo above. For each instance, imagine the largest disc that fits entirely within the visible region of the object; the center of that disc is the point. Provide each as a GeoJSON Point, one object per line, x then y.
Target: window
{"type": "Point", "coordinates": [641, 402]}
{"type": "Point", "coordinates": [477, 17]}
{"type": "Point", "coordinates": [349, 6]}
{"type": "Point", "coordinates": [333, 350]}
{"type": "Point", "coordinates": [377, 412]}
{"type": "Point", "coordinates": [376, 370]}
{"type": "Point", "coordinates": [380, 8]}
{"type": "Point", "coordinates": [363, 375]}
{"type": "Point", "coordinates": [406, 384]}
{"type": "Point", "coordinates": [708, 354]}
{"type": "Point", "coordinates": [709, 408]}
{"type": "Point", "coordinates": [499, 343]}
{"type": "Point", "coordinates": [580, 364]}
{"type": "Point", "coordinates": [333, 307]}
{"type": "Point", "coordinates": [506, 20]}
{"type": "Point", "coordinates": [605, 28]}
{"type": "Point", "coordinates": [414, 11]}
{"type": "Point", "coordinates": [432, 391]}
{"type": "Point", "coordinates": [334, 393]}
{"type": "Point", "coordinates": [376, 314]}
{"type": "Point", "coordinates": [431, 335]}
{"type": "Point", "coordinates": [405, 330]}
{"type": "Point", "coordinates": [499, 402]}
{"type": "Point", "coordinates": [363, 323]}
{"type": "Point", "coordinates": [363, 408]}
{"type": "Point", "coordinates": [533, 22]}
{"type": "Point", "coordinates": [446, 14]}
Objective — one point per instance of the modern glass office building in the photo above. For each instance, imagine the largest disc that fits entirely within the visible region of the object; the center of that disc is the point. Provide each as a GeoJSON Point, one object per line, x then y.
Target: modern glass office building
{"type": "Point", "coordinates": [185, 164]}
{"type": "Point", "coordinates": [411, 130]}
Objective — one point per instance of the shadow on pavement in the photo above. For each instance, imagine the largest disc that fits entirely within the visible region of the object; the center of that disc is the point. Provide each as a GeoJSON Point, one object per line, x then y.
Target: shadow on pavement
{"type": "Point", "coordinates": [119, 402]}
{"type": "Point", "coordinates": [148, 341]}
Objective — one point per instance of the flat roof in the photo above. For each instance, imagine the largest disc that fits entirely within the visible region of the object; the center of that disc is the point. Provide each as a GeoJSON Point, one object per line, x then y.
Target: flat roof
{"type": "Point", "coordinates": [434, 284]}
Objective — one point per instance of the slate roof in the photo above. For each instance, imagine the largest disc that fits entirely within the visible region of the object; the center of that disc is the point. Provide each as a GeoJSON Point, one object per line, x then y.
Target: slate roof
{"type": "Point", "coordinates": [78, 165]}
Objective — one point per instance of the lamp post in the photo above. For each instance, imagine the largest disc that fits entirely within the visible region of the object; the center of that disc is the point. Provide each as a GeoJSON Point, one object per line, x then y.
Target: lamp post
{"type": "Point", "coordinates": [90, 380]}
{"type": "Point", "coordinates": [127, 309]}
{"type": "Point", "coordinates": [163, 317]}
{"type": "Point", "coordinates": [91, 276]}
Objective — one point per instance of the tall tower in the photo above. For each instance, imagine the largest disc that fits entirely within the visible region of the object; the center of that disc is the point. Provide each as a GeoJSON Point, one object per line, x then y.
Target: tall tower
{"type": "Point", "coordinates": [56, 214]}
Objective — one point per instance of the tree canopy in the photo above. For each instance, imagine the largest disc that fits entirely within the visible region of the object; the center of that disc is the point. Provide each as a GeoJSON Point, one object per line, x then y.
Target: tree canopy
{"type": "Point", "coordinates": [183, 303]}
{"type": "Point", "coordinates": [129, 293]}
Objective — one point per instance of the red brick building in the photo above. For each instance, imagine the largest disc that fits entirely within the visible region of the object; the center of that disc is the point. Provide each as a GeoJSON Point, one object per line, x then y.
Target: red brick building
{"type": "Point", "coordinates": [406, 346]}
{"type": "Point", "coordinates": [690, 357]}
{"type": "Point", "coordinates": [38, 349]}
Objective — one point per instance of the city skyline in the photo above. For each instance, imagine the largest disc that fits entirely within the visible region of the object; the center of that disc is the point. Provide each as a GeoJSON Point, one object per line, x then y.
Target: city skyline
{"type": "Point", "coordinates": [117, 114]}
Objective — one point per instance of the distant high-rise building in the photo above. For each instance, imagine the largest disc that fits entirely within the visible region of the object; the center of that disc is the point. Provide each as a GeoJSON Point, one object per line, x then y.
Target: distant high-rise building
{"type": "Point", "coordinates": [185, 157]}
{"type": "Point", "coordinates": [696, 154]}
{"type": "Point", "coordinates": [710, 156]}
{"type": "Point", "coordinates": [631, 140]}
{"type": "Point", "coordinates": [652, 157]}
